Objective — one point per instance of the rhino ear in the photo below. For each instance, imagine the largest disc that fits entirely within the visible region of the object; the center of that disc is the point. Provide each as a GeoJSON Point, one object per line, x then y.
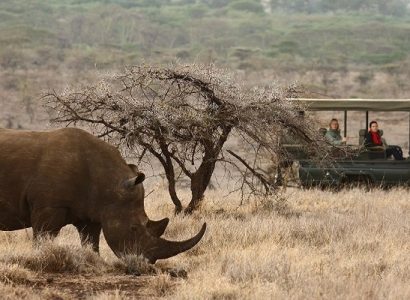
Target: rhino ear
{"type": "Point", "coordinates": [134, 168]}
{"type": "Point", "coordinates": [130, 183]}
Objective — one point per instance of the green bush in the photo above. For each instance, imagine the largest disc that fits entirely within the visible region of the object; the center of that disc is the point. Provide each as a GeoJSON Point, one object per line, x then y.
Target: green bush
{"type": "Point", "coordinates": [217, 3]}
{"type": "Point", "coordinates": [383, 58]}
{"type": "Point", "coordinates": [249, 6]}
{"type": "Point", "coordinates": [290, 47]}
{"type": "Point", "coordinates": [198, 11]}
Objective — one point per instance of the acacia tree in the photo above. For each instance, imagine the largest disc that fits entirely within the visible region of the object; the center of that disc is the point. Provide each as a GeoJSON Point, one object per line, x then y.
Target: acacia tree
{"type": "Point", "coordinates": [183, 115]}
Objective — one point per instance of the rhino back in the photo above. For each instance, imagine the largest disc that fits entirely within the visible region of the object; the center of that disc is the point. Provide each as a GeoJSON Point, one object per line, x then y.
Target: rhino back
{"type": "Point", "coordinates": [67, 168]}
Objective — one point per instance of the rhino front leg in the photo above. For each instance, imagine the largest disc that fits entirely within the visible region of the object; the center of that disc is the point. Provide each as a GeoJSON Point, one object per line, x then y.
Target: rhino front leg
{"type": "Point", "coordinates": [47, 222]}
{"type": "Point", "coordinates": [89, 233]}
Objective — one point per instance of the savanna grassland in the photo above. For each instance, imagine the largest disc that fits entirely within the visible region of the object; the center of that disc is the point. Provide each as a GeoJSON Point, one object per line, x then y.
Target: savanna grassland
{"type": "Point", "coordinates": [304, 245]}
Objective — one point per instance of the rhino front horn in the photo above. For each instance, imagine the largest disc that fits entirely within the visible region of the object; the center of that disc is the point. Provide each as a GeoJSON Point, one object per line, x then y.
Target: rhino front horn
{"type": "Point", "coordinates": [165, 249]}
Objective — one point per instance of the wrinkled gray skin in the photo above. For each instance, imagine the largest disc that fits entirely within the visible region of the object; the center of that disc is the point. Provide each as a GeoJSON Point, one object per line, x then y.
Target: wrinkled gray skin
{"type": "Point", "coordinates": [68, 176]}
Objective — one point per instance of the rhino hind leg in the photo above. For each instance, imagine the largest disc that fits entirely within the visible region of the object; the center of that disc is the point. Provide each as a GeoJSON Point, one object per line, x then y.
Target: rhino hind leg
{"type": "Point", "coordinates": [11, 221]}
{"type": "Point", "coordinates": [48, 222]}
{"type": "Point", "coordinates": [157, 228]}
{"type": "Point", "coordinates": [89, 234]}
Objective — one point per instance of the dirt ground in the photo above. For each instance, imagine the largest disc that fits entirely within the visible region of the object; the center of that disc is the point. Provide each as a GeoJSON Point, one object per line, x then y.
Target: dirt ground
{"type": "Point", "coordinates": [82, 286]}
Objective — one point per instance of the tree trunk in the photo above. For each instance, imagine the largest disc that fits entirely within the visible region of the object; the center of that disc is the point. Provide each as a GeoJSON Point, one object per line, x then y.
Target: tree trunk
{"type": "Point", "coordinates": [202, 177]}
{"type": "Point", "coordinates": [169, 173]}
{"type": "Point", "coordinates": [199, 182]}
{"type": "Point", "coordinates": [172, 190]}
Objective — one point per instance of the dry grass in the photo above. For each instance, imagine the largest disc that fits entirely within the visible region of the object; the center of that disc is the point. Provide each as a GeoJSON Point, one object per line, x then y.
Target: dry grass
{"type": "Point", "coordinates": [58, 258]}
{"type": "Point", "coordinates": [312, 245]}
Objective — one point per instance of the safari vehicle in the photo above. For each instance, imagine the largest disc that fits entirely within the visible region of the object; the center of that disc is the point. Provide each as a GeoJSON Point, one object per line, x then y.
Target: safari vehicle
{"type": "Point", "coordinates": [365, 166]}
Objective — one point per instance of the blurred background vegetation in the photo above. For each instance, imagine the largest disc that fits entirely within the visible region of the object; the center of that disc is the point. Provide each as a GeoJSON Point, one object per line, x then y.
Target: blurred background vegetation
{"type": "Point", "coordinates": [335, 48]}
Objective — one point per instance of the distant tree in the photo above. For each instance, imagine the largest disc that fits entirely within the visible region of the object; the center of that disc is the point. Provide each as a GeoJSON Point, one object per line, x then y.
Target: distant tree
{"type": "Point", "coordinates": [198, 11]}
{"type": "Point", "coordinates": [391, 7]}
{"type": "Point", "coordinates": [183, 115]}
{"type": "Point", "coordinates": [247, 5]}
{"type": "Point", "coordinates": [394, 7]}
{"type": "Point", "coordinates": [294, 5]}
{"type": "Point", "coordinates": [217, 3]}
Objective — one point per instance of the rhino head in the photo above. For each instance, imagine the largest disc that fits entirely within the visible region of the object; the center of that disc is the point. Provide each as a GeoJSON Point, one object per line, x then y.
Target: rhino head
{"type": "Point", "coordinates": [128, 230]}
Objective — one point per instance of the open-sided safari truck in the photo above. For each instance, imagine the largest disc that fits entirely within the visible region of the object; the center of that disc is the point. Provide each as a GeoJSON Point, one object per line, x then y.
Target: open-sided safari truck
{"type": "Point", "coordinates": [364, 165]}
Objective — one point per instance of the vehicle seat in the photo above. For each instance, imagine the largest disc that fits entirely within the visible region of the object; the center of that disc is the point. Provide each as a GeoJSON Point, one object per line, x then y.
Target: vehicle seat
{"type": "Point", "coordinates": [362, 133]}
{"type": "Point", "coordinates": [371, 152]}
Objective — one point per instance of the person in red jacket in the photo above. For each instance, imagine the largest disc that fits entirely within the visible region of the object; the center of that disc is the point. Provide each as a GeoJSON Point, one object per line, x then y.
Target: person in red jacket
{"type": "Point", "coordinates": [373, 139]}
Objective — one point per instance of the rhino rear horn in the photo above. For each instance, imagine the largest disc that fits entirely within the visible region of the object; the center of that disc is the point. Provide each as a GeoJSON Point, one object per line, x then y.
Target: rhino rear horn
{"type": "Point", "coordinates": [165, 249]}
{"type": "Point", "coordinates": [129, 183]}
{"type": "Point", "coordinates": [157, 228]}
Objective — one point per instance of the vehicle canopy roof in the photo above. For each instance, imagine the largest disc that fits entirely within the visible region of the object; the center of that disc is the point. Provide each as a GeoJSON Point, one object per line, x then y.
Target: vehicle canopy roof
{"type": "Point", "coordinates": [355, 104]}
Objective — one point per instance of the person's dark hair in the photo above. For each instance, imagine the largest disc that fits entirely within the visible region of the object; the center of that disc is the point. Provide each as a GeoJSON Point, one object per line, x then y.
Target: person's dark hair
{"type": "Point", "coordinates": [334, 120]}
{"type": "Point", "coordinates": [372, 122]}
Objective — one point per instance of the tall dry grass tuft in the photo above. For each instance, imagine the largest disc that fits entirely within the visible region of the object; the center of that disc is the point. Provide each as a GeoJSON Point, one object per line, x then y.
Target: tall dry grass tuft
{"type": "Point", "coordinates": [159, 286]}
{"type": "Point", "coordinates": [14, 274]}
{"type": "Point", "coordinates": [52, 257]}
{"type": "Point", "coordinates": [116, 295]}
{"type": "Point", "coordinates": [135, 265]}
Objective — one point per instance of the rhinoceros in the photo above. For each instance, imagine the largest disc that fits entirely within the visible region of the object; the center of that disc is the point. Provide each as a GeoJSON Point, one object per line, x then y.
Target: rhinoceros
{"type": "Point", "coordinates": [49, 179]}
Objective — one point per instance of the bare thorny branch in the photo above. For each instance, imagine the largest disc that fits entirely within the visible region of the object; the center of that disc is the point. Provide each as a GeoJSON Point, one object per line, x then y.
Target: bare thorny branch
{"type": "Point", "coordinates": [183, 115]}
